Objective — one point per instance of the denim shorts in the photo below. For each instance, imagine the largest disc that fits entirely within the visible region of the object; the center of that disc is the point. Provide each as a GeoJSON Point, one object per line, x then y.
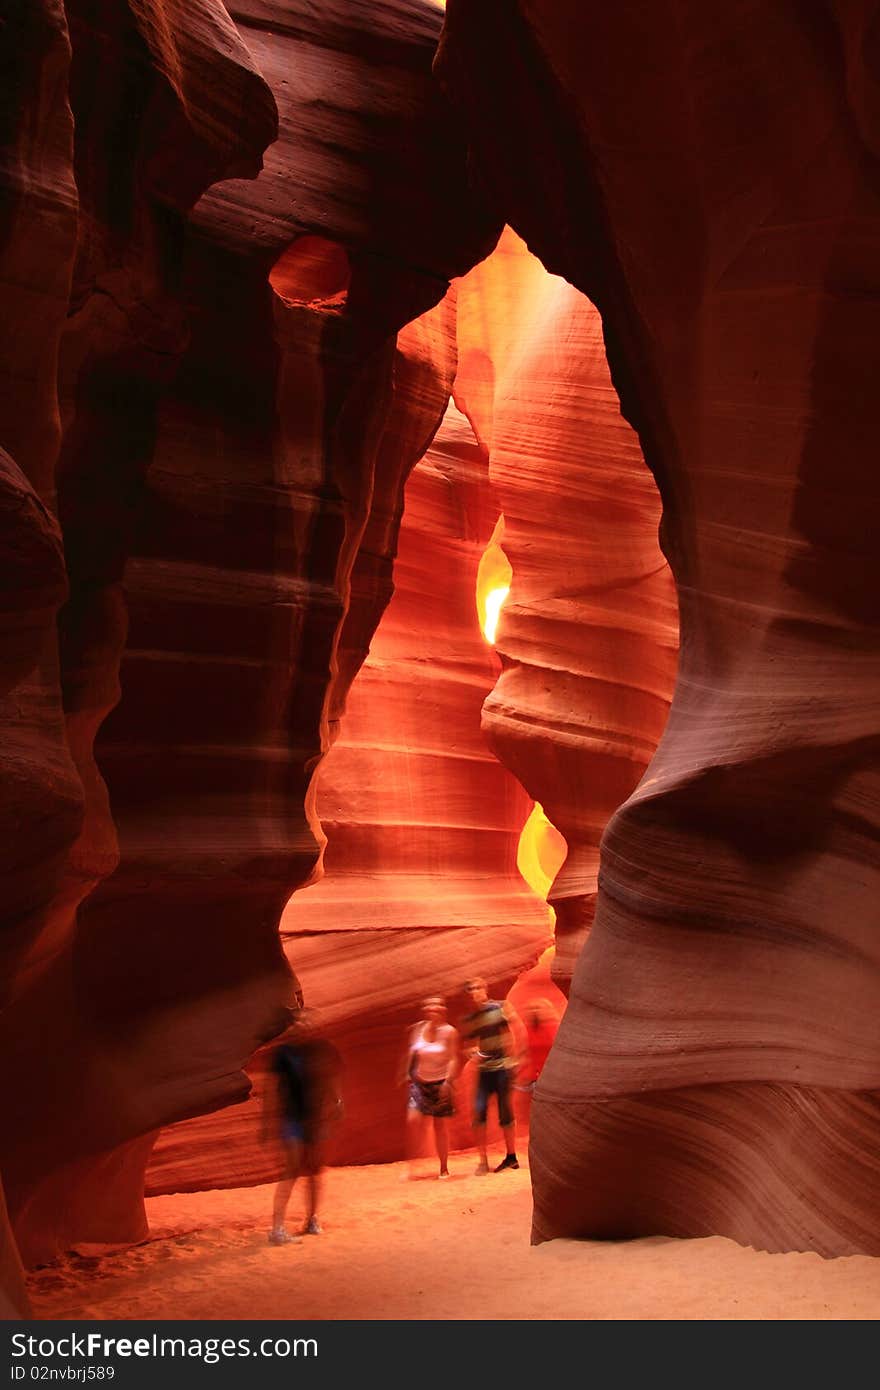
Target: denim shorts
{"type": "Point", "coordinates": [493, 1083]}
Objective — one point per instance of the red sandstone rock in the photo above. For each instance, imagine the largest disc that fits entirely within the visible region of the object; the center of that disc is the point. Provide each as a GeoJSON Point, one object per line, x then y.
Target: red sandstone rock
{"type": "Point", "coordinates": [38, 812]}
{"type": "Point", "coordinates": [165, 99]}
{"type": "Point", "coordinates": [40, 796]}
{"type": "Point", "coordinates": [14, 1302]}
{"type": "Point", "coordinates": [233, 434]}
{"type": "Point", "coordinates": [41, 799]}
{"type": "Point", "coordinates": [588, 632]}
{"type": "Point", "coordinates": [239, 417]}
{"type": "Point", "coordinates": [420, 888]}
{"type": "Point", "coordinates": [711, 186]}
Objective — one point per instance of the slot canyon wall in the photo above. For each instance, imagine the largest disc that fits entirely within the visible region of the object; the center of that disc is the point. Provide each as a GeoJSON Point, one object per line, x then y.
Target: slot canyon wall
{"type": "Point", "coordinates": [225, 341]}
{"type": "Point", "coordinates": [717, 1069]}
{"type": "Point", "coordinates": [589, 631]}
{"type": "Point", "coordinates": [420, 886]}
{"type": "Point", "coordinates": [238, 422]}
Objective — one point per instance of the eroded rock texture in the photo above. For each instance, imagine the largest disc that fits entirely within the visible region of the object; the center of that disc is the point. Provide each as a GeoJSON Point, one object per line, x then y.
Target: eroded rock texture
{"type": "Point", "coordinates": [420, 887]}
{"type": "Point", "coordinates": [14, 1301]}
{"type": "Point", "coordinates": [155, 121]}
{"type": "Point", "coordinates": [38, 801]}
{"type": "Point", "coordinates": [228, 371]}
{"type": "Point", "coordinates": [40, 796]}
{"type": "Point", "coordinates": [718, 1064]}
{"type": "Point", "coordinates": [588, 632]}
{"type": "Point", "coordinates": [238, 425]}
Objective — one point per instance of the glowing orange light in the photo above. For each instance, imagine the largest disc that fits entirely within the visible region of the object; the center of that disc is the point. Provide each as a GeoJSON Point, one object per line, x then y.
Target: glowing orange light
{"type": "Point", "coordinates": [312, 270]}
{"type": "Point", "coordinates": [493, 583]}
{"type": "Point", "coordinates": [541, 852]}
{"type": "Point", "coordinates": [494, 599]}
{"type": "Point", "coordinates": [536, 987]}
{"type": "Point", "coordinates": [540, 855]}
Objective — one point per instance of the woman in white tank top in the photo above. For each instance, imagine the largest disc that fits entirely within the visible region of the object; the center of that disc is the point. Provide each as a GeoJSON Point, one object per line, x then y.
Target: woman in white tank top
{"type": "Point", "coordinates": [432, 1064]}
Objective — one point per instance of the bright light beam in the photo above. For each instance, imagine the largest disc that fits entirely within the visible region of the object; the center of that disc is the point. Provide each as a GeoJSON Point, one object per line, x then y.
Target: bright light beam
{"type": "Point", "coordinates": [494, 601]}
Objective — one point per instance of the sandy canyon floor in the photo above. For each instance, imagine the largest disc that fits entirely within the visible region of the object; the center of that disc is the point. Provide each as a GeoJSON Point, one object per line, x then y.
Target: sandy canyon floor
{"type": "Point", "coordinates": [428, 1249]}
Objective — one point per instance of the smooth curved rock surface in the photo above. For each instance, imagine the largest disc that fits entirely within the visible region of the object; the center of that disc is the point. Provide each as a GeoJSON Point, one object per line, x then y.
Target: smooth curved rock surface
{"type": "Point", "coordinates": [233, 433]}
{"type": "Point", "coordinates": [420, 888]}
{"type": "Point", "coordinates": [716, 1068]}
{"type": "Point", "coordinates": [42, 800]}
{"type": "Point", "coordinates": [164, 99]}
{"type": "Point", "coordinates": [229, 374]}
{"type": "Point", "coordinates": [588, 632]}
{"type": "Point", "coordinates": [14, 1301]}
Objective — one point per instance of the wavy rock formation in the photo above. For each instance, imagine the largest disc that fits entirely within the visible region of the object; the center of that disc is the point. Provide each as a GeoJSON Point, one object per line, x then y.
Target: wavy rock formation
{"type": "Point", "coordinates": [40, 795]}
{"type": "Point", "coordinates": [14, 1301]}
{"type": "Point", "coordinates": [238, 424]}
{"type": "Point", "coordinates": [717, 1067]}
{"type": "Point", "coordinates": [164, 100]}
{"type": "Point", "coordinates": [225, 340]}
{"type": "Point", "coordinates": [420, 887]}
{"type": "Point", "coordinates": [39, 807]}
{"type": "Point", "coordinates": [588, 633]}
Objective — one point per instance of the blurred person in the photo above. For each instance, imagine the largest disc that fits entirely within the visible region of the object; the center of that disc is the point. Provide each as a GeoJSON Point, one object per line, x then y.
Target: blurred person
{"type": "Point", "coordinates": [490, 1032]}
{"type": "Point", "coordinates": [308, 1070]}
{"type": "Point", "coordinates": [431, 1066]}
{"type": "Point", "coordinates": [541, 1023]}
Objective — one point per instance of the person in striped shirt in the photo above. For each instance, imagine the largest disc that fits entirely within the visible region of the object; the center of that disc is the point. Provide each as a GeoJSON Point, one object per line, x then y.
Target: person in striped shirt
{"type": "Point", "coordinates": [488, 1029]}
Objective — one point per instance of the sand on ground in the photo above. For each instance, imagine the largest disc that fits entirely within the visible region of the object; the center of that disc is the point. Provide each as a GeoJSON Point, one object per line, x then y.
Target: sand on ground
{"type": "Point", "coordinates": [427, 1249]}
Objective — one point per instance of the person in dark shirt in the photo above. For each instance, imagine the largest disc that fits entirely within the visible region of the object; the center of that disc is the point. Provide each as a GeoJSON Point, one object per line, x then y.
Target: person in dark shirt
{"type": "Point", "coordinates": [492, 1046]}
{"type": "Point", "coordinates": [308, 1069]}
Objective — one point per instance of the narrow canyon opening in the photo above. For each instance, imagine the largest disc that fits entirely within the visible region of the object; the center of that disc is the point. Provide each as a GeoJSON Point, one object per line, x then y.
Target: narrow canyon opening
{"type": "Point", "coordinates": [254, 280]}
{"type": "Point", "coordinates": [439, 851]}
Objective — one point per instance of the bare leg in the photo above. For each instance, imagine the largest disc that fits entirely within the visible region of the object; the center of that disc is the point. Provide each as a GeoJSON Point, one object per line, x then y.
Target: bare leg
{"type": "Point", "coordinates": [415, 1130]}
{"type": "Point", "coordinates": [314, 1196]}
{"type": "Point", "coordinates": [293, 1165]}
{"type": "Point", "coordinates": [314, 1168]}
{"type": "Point", "coordinates": [441, 1139]}
{"type": "Point", "coordinates": [480, 1141]}
{"type": "Point", "coordinates": [509, 1132]}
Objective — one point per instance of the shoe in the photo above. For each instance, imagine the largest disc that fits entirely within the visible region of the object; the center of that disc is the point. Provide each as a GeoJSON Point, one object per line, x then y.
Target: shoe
{"type": "Point", "coordinates": [313, 1227]}
{"type": "Point", "coordinates": [442, 1176]}
{"type": "Point", "coordinates": [511, 1161]}
{"type": "Point", "coordinates": [481, 1169]}
{"type": "Point", "coordinates": [279, 1236]}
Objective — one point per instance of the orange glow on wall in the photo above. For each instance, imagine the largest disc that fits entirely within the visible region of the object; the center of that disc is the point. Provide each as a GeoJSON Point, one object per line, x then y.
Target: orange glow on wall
{"type": "Point", "coordinates": [493, 583]}
{"type": "Point", "coordinates": [541, 849]}
{"type": "Point", "coordinates": [537, 987]}
{"type": "Point", "coordinates": [541, 852]}
{"type": "Point", "coordinates": [494, 600]}
{"type": "Point", "coordinates": [312, 271]}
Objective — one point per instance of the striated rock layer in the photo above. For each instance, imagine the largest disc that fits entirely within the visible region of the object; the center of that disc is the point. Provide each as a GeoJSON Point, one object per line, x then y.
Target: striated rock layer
{"type": "Point", "coordinates": [420, 886]}
{"type": "Point", "coordinates": [149, 135]}
{"type": "Point", "coordinates": [711, 184]}
{"type": "Point", "coordinates": [588, 633]}
{"type": "Point", "coordinates": [40, 796]}
{"type": "Point", "coordinates": [238, 424]}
